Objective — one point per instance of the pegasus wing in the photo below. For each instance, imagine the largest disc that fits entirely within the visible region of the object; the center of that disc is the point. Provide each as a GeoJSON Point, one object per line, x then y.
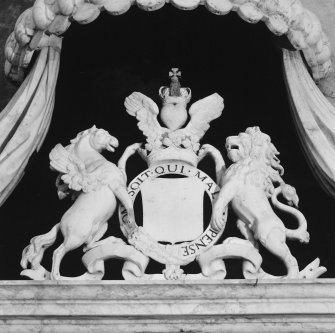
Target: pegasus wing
{"type": "Point", "coordinates": [145, 110]}
{"type": "Point", "coordinates": [72, 170]}
{"type": "Point", "coordinates": [202, 113]}
{"type": "Point", "coordinates": [59, 159]}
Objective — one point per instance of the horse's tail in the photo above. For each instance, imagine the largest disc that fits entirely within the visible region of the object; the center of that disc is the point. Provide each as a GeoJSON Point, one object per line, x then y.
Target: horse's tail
{"type": "Point", "coordinates": [33, 253]}
{"type": "Point", "coordinates": [301, 232]}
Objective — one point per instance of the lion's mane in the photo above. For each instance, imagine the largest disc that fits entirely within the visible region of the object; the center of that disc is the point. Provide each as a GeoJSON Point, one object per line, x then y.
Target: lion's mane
{"type": "Point", "coordinates": [260, 157]}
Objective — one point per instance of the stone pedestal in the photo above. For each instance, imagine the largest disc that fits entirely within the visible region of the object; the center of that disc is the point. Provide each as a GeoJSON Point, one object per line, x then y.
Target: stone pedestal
{"type": "Point", "coordinates": [120, 306]}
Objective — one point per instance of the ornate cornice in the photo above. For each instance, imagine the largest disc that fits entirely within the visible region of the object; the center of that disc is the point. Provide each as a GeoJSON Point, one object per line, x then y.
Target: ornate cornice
{"type": "Point", "coordinates": [282, 17]}
{"type": "Point", "coordinates": [193, 306]}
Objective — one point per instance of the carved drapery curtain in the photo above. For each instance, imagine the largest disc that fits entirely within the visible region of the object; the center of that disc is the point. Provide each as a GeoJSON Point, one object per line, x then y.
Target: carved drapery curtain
{"type": "Point", "coordinates": [314, 117]}
{"type": "Point", "coordinates": [25, 121]}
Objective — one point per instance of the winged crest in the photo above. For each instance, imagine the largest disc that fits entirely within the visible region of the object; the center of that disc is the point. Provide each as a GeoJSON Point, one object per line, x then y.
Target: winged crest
{"type": "Point", "coordinates": [201, 114]}
{"type": "Point", "coordinates": [146, 111]}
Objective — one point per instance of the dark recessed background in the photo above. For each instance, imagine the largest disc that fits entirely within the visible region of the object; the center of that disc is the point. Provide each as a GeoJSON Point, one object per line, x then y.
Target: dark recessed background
{"type": "Point", "coordinates": [105, 61]}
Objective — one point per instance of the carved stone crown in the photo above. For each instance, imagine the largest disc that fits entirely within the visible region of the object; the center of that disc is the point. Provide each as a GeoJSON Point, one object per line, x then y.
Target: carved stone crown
{"type": "Point", "coordinates": [175, 93]}
{"type": "Point", "coordinates": [172, 153]}
{"type": "Point", "coordinates": [173, 142]}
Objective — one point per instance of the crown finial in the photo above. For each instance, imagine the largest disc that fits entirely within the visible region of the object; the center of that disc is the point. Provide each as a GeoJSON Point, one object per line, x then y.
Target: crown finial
{"type": "Point", "coordinates": [175, 99]}
{"type": "Point", "coordinates": [174, 74]}
{"type": "Point", "coordinates": [175, 93]}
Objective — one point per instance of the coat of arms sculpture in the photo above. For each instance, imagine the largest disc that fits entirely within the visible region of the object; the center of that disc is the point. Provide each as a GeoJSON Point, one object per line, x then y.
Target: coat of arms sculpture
{"type": "Point", "coordinates": [172, 190]}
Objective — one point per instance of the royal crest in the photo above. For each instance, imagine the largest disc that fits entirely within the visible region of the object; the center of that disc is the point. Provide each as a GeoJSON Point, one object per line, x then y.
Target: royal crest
{"type": "Point", "coordinates": [173, 188]}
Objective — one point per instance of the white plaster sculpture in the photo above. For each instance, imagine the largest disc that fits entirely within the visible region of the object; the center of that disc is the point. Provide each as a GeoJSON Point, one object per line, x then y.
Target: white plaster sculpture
{"type": "Point", "coordinates": [38, 27]}
{"type": "Point", "coordinates": [249, 183]}
{"type": "Point", "coordinates": [253, 179]}
{"type": "Point", "coordinates": [96, 183]}
{"type": "Point", "coordinates": [288, 17]}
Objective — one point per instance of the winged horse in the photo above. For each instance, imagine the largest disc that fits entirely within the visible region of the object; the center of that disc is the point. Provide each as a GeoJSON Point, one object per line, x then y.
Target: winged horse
{"type": "Point", "coordinates": [97, 184]}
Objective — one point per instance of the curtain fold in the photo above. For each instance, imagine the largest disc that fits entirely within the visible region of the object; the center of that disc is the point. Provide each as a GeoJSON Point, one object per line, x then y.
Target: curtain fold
{"type": "Point", "coordinates": [25, 121]}
{"type": "Point", "coordinates": [314, 116]}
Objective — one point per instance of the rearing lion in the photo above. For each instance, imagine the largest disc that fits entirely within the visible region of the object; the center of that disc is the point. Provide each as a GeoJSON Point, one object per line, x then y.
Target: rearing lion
{"type": "Point", "coordinates": [248, 184]}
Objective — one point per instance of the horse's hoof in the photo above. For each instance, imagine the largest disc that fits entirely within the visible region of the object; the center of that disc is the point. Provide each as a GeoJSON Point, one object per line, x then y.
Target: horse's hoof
{"type": "Point", "coordinates": [55, 277]}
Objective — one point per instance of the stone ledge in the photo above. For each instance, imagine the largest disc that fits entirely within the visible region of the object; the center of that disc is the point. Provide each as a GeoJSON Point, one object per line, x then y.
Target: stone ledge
{"type": "Point", "coordinates": [192, 306]}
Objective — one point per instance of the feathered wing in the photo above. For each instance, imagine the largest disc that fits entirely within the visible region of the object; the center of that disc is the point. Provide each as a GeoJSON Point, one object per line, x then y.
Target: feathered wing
{"type": "Point", "coordinates": [146, 110]}
{"type": "Point", "coordinates": [72, 170]}
{"type": "Point", "coordinates": [202, 113]}
{"type": "Point", "coordinates": [59, 159]}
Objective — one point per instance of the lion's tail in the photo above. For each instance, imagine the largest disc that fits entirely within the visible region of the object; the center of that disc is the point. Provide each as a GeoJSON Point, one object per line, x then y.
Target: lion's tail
{"type": "Point", "coordinates": [301, 232]}
{"type": "Point", "coordinates": [33, 253]}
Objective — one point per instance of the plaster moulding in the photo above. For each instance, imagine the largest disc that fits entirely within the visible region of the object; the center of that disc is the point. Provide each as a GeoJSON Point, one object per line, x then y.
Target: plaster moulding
{"type": "Point", "coordinates": [119, 306]}
{"type": "Point", "coordinates": [282, 17]}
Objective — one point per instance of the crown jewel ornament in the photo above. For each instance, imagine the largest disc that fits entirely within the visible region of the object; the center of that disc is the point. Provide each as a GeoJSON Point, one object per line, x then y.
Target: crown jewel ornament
{"type": "Point", "coordinates": [173, 142]}
{"type": "Point", "coordinates": [175, 99]}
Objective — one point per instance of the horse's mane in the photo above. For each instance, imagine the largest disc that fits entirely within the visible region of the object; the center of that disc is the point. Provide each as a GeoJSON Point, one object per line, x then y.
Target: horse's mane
{"type": "Point", "coordinates": [79, 136]}
{"type": "Point", "coordinates": [83, 133]}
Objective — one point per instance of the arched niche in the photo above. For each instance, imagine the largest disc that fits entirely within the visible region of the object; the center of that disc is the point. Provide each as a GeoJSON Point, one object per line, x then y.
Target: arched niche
{"type": "Point", "coordinates": [239, 61]}
{"type": "Point", "coordinates": [38, 27]}
{"type": "Point", "coordinates": [283, 17]}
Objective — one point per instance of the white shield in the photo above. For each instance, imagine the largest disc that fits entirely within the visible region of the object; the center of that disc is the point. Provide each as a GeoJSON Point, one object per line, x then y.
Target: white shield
{"type": "Point", "coordinates": [173, 208]}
